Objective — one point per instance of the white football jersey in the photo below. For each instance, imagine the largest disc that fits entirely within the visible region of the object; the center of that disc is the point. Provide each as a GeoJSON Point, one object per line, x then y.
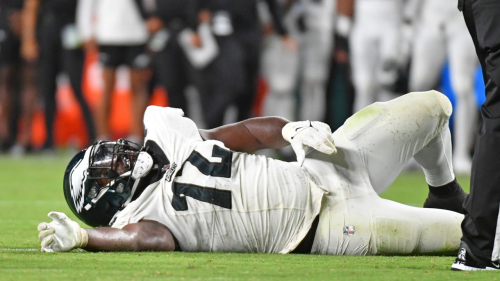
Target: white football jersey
{"type": "Point", "coordinates": [215, 199]}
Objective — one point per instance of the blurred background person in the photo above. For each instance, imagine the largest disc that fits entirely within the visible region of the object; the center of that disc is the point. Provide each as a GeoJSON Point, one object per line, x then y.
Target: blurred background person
{"type": "Point", "coordinates": [286, 66]}
{"type": "Point", "coordinates": [315, 43]}
{"type": "Point", "coordinates": [167, 19]}
{"type": "Point", "coordinates": [340, 91]}
{"type": "Point", "coordinates": [375, 49]}
{"type": "Point", "coordinates": [117, 29]}
{"type": "Point", "coordinates": [280, 63]}
{"type": "Point", "coordinates": [441, 34]}
{"type": "Point", "coordinates": [59, 50]}
{"type": "Point", "coordinates": [232, 78]}
{"type": "Point", "coordinates": [17, 79]}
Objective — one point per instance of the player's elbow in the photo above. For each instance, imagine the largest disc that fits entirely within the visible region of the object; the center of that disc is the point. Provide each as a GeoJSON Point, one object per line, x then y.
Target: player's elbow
{"type": "Point", "coordinates": [153, 236]}
{"type": "Point", "coordinates": [154, 244]}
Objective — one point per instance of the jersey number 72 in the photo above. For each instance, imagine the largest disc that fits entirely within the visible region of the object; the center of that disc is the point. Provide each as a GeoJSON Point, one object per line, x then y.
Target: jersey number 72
{"type": "Point", "coordinates": [221, 198]}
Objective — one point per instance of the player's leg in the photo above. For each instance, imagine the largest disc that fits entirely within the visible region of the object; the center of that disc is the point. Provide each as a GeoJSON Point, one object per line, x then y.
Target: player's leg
{"type": "Point", "coordinates": [29, 96]}
{"type": "Point", "coordinates": [374, 144]}
{"type": "Point", "coordinates": [251, 46]}
{"type": "Point", "coordinates": [8, 103]}
{"type": "Point", "coordinates": [370, 225]}
{"type": "Point", "coordinates": [280, 67]}
{"type": "Point", "coordinates": [10, 63]}
{"type": "Point", "coordinates": [317, 48]}
{"type": "Point", "coordinates": [364, 60]}
{"type": "Point", "coordinates": [387, 135]}
{"type": "Point", "coordinates": [222, 81]}
{"type": "Point", "coordinates": [49, 66]}
{"type": "Point", "coordinates": [390, 51]}
{"type": "Point", "coordinates": [138, 61]}
{"type": "Point", "coordinates": [170, 66]}
{"type": "Point", "coordinates": [428, 57]}
{"type": "Point", "coordinates": [463, 63]}
{"type": "Point", "coordinates": [73, 63]}
{"type": "Point", "coordinates": [110, 57]}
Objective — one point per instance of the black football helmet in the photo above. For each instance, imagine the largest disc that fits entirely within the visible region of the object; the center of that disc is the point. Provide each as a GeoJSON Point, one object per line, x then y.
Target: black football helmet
{"type": "Point", "coordinates": [99, 181]}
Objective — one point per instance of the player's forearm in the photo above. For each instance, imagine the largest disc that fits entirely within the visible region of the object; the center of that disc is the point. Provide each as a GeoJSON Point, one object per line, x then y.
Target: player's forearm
{"type": "Point", "coordinates": [250, 135]}
{"type": "Point", "coordinates": [142, 236]}
{"type": "Point", "coordinates": [111, 239]}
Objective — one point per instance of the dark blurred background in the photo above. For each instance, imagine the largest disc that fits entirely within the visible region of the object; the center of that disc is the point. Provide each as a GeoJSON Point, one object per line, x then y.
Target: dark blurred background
{"type": "Point", "coordinates": [74, 71]}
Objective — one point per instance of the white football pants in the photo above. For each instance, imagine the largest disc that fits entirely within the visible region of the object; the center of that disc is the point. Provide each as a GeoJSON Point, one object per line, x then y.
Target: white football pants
{"type": "Point", "coordinates": [373, 147]}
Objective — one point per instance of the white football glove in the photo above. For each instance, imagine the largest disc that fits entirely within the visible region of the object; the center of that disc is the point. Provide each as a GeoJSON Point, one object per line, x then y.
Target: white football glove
{"type": "Point", "coordinates": [304, 134]}
{"type": "Point", "coordinates": [62, 234]}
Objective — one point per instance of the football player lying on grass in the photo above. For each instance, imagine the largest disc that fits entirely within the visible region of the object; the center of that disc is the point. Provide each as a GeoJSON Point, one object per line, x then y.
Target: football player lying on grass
{"type": "Point", "coordinates": [199, 190]}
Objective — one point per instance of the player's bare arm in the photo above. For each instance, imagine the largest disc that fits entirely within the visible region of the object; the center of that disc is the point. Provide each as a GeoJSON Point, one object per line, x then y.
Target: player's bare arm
{"type": "Point", "coordinates": [141, 236]}
{"type": "Point", "coordinates": [274, 132]}
{"type": "Point", "coordinates": [250, 135]}
{"type": "Point", "coordinates": [63, 234]}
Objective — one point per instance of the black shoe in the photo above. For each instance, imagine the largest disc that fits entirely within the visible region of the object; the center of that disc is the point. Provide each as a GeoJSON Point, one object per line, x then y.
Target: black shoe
{"type": "Point", "coordinates": [465, 262]}
{"type": "Point", "coordinates": [448, 197]}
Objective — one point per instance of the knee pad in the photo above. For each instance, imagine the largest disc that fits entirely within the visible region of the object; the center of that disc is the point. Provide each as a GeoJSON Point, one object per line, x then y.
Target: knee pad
{"type": "Point", "coordinates": [439, 103]}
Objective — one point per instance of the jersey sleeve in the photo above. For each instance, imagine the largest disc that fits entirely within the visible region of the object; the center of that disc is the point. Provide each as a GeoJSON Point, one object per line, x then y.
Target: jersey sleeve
{"type": "Point", "coordinates": [175, 134]}
{"type": "Point", "coordinates": [169, 119]}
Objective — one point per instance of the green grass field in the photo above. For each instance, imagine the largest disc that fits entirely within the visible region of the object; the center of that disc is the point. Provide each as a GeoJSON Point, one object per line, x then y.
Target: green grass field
{"type": "Point", "coordinates": [31, 187]}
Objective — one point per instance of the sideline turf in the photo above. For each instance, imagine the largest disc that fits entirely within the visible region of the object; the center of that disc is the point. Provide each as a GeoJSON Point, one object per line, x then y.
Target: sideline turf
{"type": "Point", "coordinates": [31, 187]}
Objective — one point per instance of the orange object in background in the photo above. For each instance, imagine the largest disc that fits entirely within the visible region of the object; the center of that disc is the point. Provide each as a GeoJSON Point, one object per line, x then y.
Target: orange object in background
{"type": "Point", "coordinates": [70, 128]}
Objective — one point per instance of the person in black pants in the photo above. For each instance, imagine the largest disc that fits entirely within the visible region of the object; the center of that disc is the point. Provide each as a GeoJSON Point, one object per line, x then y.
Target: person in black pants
{"type": "Point", "coordinates": [480, 248]}
{"type": "Point", "coordinates": [233, 76]}
{"type": "Point", "coordinates": [17, 82]}
{"type": "Point", "coordinates": [169, 62]}
{"type": "Point", "coordinates": [59, 51]}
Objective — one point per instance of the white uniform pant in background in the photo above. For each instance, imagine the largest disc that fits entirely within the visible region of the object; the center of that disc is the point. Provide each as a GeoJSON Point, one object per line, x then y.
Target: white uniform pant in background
{"type": "Point", "coordinates": [373, 147]}
{"type": "Point", "coordinates": [441, 34]}
{"type": "Point", "coordinates": [280, 67]}
{"type": "Point", "coordinates": [308, 66]}
{"type": "Point", "coordinates": [374, 44]}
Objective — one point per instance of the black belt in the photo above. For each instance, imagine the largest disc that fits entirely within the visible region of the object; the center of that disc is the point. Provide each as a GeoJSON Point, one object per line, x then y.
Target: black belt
{"type": "Point", "coordinates": [306, 244]}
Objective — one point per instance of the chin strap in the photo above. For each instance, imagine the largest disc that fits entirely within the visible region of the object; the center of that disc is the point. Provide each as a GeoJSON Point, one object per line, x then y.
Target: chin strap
{"type": "Point", "coordinates": [142, 167]}
{"type": "Point", "coordinates": [134, 187]}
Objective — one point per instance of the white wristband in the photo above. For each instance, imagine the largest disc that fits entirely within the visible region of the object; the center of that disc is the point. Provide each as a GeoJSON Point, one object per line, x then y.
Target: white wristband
{"type": "Point", "coordinates": [82, 239]}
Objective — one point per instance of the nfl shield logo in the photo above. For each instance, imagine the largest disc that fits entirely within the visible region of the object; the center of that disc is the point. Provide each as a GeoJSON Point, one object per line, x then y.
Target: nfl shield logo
{"type": "Point", "coordinates": [349, 230]}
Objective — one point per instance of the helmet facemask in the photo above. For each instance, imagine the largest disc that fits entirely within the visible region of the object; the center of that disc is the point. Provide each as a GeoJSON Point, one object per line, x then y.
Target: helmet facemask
{"type": "Point", "coordinates": [111, 160]}
{"type": "Point", "coordinates": [110, 168]}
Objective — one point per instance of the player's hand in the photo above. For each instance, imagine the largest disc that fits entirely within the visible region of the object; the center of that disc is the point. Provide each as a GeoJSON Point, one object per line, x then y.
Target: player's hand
{"type": "Point", "coordinates": [304, 134]}
{"type": "Point", "coordinates": [62, 234]}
